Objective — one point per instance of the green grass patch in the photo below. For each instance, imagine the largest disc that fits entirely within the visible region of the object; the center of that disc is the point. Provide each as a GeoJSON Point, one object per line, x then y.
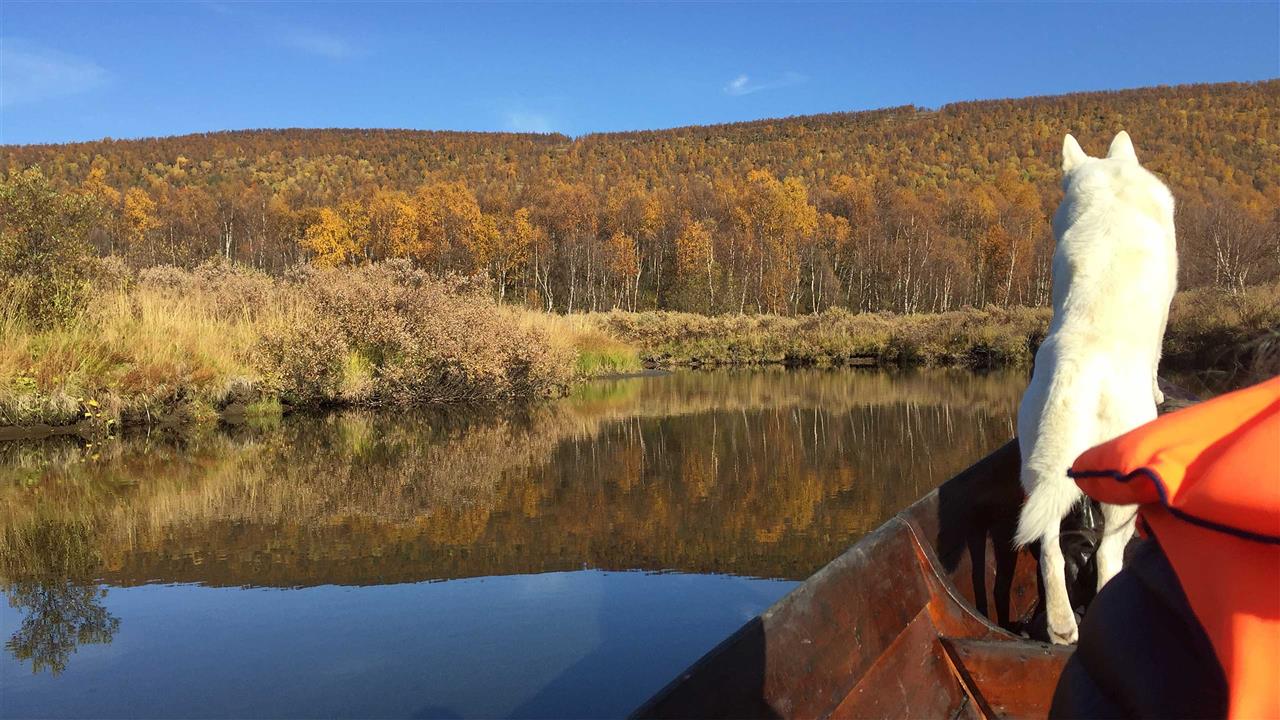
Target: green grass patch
{"type": "Point", "coordinates": [594, 363]}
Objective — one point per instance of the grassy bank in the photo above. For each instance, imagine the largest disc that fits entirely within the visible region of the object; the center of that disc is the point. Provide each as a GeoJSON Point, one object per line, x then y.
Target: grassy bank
{"type": "Point", "coordinates": [971, 338]}
{"type": "Point", "coordinates": [1229, 340]}
{"type": "Point", "coordinates": [178, 346]}
{"type": "Point", "coordinates": [1208, 329]}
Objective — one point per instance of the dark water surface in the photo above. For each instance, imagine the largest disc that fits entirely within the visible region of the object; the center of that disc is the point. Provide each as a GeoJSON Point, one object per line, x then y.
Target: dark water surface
{"type": "Point", "coordinates": [561, 561]}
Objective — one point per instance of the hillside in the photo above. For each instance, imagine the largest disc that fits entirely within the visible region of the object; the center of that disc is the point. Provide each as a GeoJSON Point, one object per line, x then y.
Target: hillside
{"type": "Point", "coordinates": [902, 209]}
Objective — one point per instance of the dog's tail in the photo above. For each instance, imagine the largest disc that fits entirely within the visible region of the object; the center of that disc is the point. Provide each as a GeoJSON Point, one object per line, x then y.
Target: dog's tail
{"type": "Point", "coordinates": [1067, 424]}
{"type": "Point", "coordinates": [1051, 499]}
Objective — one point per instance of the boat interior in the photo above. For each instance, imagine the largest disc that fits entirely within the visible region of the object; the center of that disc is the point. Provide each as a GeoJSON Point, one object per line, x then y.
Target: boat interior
{"type": "Point", "coordinates": [932, 615]}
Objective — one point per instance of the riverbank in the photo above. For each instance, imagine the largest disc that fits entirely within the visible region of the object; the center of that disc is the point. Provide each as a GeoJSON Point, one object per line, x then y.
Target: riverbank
{"type": "Point", "coordinates": [175, 347]}
{"type": "Point", "coordinates": [969, 338]}
{"type": "Point", "coordinates": [172, 347]}
{"type": "Point", "coordinates": [1208, 330]}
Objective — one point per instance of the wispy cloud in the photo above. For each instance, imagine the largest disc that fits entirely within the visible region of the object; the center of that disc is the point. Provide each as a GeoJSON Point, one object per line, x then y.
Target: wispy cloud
{"type": "Point", "coordinates": [31, 73]}
{"type": "Point", "coordinates": [743, 84]}
{"type": "Point", "coordinates": [525, 121]}
{"type": "Point", "coordinates": [319, 43]}
{"type": "Point", "coordinates": [216, 7]}
{"type": "Point", "coordinates": [286, 33]}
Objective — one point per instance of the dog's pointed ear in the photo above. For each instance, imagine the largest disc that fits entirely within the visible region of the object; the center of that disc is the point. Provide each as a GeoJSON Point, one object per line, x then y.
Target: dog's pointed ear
{"type": "Point", "coordinates": [1122, 147]}
{"type": "Point", "coordinates": [1072, 154]}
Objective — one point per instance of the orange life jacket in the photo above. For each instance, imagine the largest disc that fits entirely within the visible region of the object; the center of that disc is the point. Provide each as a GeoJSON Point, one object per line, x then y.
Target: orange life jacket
{"type": "Point", "coordinates": [1208, 482]}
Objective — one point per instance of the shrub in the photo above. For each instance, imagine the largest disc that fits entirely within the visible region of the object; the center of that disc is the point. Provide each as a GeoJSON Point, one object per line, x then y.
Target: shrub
{"type": "Point", "coordinates": [44, 256]}
{"type": "Point", "coordinates": [110, 275]}
{"type": "Point", "coordinates": [179, 344]}
{"type": "Point", "coordinates": [226, 289]}
{"type": "Point", "coordinates": [302, 361]}
{"type": "Point", "coordinates": [389, 333]}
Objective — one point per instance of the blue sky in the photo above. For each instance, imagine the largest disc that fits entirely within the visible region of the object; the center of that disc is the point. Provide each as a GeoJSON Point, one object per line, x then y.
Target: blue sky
{"type": "Point", "coordinates": [72, 71]}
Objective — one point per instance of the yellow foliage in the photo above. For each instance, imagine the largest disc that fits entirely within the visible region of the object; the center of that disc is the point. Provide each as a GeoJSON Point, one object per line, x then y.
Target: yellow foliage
{"type": "Point", "coordinates": [330, 239]}
{"type": "Point", "coordinates": [139, 216]}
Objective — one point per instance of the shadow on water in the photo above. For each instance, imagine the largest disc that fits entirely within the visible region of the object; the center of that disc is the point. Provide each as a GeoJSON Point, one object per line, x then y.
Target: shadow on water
{"type": "Point", "coordinates": [764, 474]}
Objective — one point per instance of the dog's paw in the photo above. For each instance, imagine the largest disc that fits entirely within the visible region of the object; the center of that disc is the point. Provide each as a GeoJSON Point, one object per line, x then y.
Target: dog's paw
{"type": "Point", "coordinates": [1159, 397]}
{"type": "Point", "coordinates": [1070, 638]}
{"type": "Point", "coordinates": [1065, 631]}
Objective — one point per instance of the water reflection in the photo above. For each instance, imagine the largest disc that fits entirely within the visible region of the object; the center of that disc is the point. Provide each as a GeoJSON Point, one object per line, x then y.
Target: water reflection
{"type": "Point", "coordinates": [50, 562]}
{"type": "Point", "coordinates": [764, 474]}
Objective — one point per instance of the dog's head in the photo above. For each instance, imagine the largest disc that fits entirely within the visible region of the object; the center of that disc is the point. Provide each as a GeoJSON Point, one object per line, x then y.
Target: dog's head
{"type": "Point", "coordinates": [1116, 182]}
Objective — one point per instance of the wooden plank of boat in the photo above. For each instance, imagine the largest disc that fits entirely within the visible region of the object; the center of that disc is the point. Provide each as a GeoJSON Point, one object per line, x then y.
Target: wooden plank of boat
{"type": "Point", "coordinates": [896, 626]}
{"type": "Point", "coordinates": [920, 618]}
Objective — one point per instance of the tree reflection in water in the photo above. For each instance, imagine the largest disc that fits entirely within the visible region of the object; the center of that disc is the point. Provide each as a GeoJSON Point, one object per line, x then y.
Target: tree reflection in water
{"type": "Point", "coordinates": [763, 473]}
{"type": "Point", "coordinates": [58, 617]}
{"type": "Point", "coordinates": [51, 586]}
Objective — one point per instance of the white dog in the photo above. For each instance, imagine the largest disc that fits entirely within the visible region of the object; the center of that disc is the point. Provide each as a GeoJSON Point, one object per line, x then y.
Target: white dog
{"type": "Point", "coordinates": [1114, 274]}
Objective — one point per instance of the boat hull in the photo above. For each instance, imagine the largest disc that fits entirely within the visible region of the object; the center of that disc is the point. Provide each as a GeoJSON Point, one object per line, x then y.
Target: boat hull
{"type": "Point", "coordinates": [918, 618]}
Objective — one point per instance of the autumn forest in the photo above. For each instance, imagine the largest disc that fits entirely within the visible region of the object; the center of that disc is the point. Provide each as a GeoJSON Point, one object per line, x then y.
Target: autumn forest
{"type": "Point", "coordinates": [902, 210]}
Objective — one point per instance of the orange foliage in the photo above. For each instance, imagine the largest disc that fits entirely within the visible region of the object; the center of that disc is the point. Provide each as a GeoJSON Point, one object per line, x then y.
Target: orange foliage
{"type": "Point", "coordinates": [903, 209]}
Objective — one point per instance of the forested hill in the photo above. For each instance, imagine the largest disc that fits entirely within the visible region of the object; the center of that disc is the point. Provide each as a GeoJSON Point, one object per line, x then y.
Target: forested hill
{"type": "Point", "coordinates": [901, 209]}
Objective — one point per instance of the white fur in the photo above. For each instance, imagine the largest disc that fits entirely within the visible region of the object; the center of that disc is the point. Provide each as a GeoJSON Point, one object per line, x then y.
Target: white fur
{"type": "Point", "coordinates": [1114, 274]}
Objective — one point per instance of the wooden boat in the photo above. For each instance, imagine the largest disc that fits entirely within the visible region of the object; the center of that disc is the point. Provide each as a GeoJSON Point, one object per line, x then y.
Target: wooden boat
{"type": "Point", "coordinates": [925, 617]}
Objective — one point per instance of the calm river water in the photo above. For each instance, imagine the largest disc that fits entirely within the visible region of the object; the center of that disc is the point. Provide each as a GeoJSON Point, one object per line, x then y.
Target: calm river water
{"type": "Point", "coordinates": [561, 561]}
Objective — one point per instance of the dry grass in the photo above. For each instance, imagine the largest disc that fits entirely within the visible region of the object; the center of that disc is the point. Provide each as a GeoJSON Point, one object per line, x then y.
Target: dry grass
{"type": "Point", "coordinates": [974, 338]}
{"type": "Point", "coordinates": [129, 354]}
{"type": "Point", "coordinates": [178, 346]}
{"type": "Point", "coordinates": [172, 345]}
{"type": "Point", "coordinates": [1231, 339]}
{"type": "Point", "coordinates": [1208, 330]}
{"type": "Point", "coordinates": [597, 351]}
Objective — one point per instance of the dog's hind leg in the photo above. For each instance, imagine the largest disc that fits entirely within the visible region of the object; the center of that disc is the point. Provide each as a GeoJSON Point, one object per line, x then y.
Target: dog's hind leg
{"type": "Point", "coordinates": [1061, 617]}
{"type": "Point", "coordinates": [1122, 407]}
{"type": "Point", "coordinates": [1050, 500]}
{"type": "Point", "coordinates": [1117, 528]}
